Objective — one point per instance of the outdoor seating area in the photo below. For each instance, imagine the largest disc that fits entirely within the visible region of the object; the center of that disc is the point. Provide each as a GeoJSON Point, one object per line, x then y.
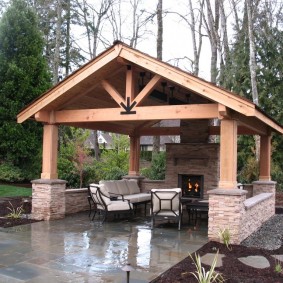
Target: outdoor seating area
{"type": "Point", "coordinates": [126, 190]}
{"type": "Point", "coordinates": [166, 205]}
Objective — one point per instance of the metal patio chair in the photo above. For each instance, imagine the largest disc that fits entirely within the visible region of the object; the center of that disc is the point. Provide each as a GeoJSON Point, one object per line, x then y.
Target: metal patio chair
{"type": "Point", "coordinates": [105, 205]}
{"type": "Point", "coordinates": [166, 205]}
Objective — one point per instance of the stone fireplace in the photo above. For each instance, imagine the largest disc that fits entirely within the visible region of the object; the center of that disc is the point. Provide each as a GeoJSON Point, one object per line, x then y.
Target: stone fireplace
{"type": "Point", "coordinates": [195, 158]}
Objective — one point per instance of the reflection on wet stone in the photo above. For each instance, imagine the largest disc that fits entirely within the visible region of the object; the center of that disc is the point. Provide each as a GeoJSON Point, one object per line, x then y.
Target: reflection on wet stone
{"type": "Point", "coordinates": [76, 249]}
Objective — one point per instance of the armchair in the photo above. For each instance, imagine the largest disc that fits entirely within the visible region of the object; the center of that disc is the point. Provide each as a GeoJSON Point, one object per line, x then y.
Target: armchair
{"type": "Point", "coordinates": [166, 205]}
{"type": "Point", "coordinates": [104, 205]}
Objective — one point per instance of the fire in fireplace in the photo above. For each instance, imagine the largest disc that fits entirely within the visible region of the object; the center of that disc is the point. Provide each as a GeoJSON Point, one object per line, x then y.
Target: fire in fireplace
{"type": "Point", "coordinates": [192, 185]}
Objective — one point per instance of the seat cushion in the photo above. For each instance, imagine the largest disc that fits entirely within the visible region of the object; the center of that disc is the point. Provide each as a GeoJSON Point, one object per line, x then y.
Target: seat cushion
{"type": "Point", "coordinates": [111, 186]}
{"type": "Point", "coordinates": [168, 213]}
{"type": "Point", "coordinates": [133, 186]}
{"type": "Point", "coordinates": [165, 199]}
{"type": "Point", "coordinates": [119, 205]}
{"type": "Point", "coordinates": [122, 187]}
{"type": "Point", "coordinates": [135, 198]}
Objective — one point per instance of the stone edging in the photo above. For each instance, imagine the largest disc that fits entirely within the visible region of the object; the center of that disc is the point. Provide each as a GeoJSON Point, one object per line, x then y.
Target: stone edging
{"type": "Point", "coordinates": [82, 190]}
{"type": "Point", "coordinates": [230, 192]}
{"type": "Point", "coordinates": [249, 203]}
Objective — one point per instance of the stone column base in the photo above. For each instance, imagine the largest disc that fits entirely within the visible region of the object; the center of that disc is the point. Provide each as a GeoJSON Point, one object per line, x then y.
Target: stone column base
{"type": "Point", "coordinates": [263, 187]}
{"type": "Point", "coordinates": [48, 199]}
{"type": "Point", "coordinates": [226, 209]}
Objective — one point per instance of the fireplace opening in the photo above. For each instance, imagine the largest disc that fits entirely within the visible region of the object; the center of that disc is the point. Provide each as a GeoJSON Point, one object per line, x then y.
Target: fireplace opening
{"type": "Point", "coordinates": [192, 185]}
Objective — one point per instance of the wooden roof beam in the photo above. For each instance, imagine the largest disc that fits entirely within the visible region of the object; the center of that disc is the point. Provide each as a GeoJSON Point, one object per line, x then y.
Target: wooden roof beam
{"type": "Point", "coordinates": [193, 111]}
{"type": "Point", "coordinates": [145, 92]}
{"type": "Point", "coordinates": [251, 123]}
{"type": "Point", "coordinates": [130, 83]}
{"type": "Point", "coordinates": [113, 92]}
{"type": "Point", "coordinates": [160, 131]}
{"type": "Point", "coordinates": [67, 84]}
{"type": "Point", "coordinates": [195, 84]}
{"type": "Point", "coordinates": [106, 127]}
{"type": "Point", "coordinates": [259, 115]}
{"type": "Point", "coordinates": [242, 130]}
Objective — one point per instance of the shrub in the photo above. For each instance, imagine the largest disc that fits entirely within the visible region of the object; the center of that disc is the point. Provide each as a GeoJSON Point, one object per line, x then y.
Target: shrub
{"type": "Point", "coordinates": [157, 169]}
{"type": "Point", "coordinates": [112, 166]}
{"type": "Point", "coordinates": [10, 173]}
{"type": "Point", "coordinates": [250, 171]}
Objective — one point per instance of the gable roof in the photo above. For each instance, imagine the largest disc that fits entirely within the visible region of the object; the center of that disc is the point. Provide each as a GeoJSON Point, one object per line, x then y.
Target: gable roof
{"type": "Point", "coordinates": [97, 96]}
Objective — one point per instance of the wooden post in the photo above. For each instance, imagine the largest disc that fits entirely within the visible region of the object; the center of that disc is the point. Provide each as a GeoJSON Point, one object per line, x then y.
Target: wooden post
{"type": "Point", "coordinates": [130, 84]}
{"type": "Point", "coordinates": [134, 155]}
{"type": "Point", "coordinates": [265, 158]}
{"type": "Point", "coordinates": [228, 154]}
{"type": "Point", "coordinates": [50, 149]}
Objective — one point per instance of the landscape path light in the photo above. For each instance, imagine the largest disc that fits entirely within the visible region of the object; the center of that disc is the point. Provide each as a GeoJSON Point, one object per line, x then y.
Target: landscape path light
{"type": "Point", "coordinates": [128, 268]}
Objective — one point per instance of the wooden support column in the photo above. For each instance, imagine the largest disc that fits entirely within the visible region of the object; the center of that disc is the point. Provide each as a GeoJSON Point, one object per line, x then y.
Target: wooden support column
{"type": "Point", "coordinates": [50, 149]}
{"type": "Point", "coordinates": [265, 158]}
{"type": "Point", "coordinates": [228, 154]}
{"type": "Point", "coordinates": [134, 156]}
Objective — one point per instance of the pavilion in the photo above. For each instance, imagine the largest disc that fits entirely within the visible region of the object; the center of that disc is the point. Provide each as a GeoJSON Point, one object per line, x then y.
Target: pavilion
{"type": "Point", "coordinates": [125, 91]}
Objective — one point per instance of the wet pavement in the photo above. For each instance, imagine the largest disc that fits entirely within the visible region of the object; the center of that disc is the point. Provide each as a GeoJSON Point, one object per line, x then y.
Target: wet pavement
{"type": "Point", "coordinates": [76, 249]}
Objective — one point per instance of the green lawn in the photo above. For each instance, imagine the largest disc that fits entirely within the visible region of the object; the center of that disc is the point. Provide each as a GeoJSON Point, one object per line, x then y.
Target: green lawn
{"type": "Point", "coordinates": [12, 191]}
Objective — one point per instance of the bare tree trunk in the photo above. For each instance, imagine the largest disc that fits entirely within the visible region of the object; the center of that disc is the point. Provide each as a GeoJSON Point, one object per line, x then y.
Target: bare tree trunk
{"type": "Point", "coordinates": [159, 30]}
{"type": "Point", "coordinates": [68, 45]}
{"type": "Point", "coordinates": [193, 24]}
{"type": "Point", "coordinates": [212, 26]}
{"type": "Point", "coordinates": [57, 42]}
{"type": "Point", "coordinates": [253, 67]}
{"type": "Point", "coordinates": [159, 47]}
{"type": "Point", "coordinates": [212, 29]}
{"type": "Point", "coordinates": [252, 52]}
{"type": "Point", "coordinates": [92, 20]}
{"type": "Point", "coordinates": [237, 22]}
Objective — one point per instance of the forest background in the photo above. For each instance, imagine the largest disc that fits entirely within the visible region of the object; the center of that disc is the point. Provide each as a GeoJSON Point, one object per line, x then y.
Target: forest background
{"type": "Point", "coordinates": [236, 44]}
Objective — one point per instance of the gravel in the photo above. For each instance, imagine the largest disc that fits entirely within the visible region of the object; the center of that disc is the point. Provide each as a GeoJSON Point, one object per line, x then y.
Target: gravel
{"type": "Point", "coordinates": [269, 236]}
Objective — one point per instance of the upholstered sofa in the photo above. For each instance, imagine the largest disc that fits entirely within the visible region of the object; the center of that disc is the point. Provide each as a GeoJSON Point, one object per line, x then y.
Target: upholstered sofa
{"type": "Point", "coordinates": [126, 189]}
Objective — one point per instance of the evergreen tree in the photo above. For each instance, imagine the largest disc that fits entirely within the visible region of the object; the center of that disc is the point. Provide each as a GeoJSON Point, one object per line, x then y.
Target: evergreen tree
{"type": "Point", "coordinates": [23, 76]}
{"type": "Point", "coordinates": [268, 43]}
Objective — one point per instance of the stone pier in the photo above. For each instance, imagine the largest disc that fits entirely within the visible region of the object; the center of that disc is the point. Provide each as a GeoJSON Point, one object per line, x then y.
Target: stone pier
{"type": "Point", "coordinates": [48, 199]}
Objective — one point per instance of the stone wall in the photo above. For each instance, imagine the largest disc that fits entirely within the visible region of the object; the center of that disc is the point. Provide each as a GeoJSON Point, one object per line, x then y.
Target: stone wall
{"type": "Point", "coordinates": [249, 189]}
{"type": "Point", "coordinates": [76, 200]}
{"type": "Point", "coordinates": [258, 209]}
{"type": "Point", "coordinates": [193, 159]}
{"type": "Point", "coordinates": [279, 199]}
{"type": "Point", "coordinates": [226, 208]}
{"type": "Point", "coordinates": [146, 185]}
{"type": "Point", "coordinates": [229, 208]}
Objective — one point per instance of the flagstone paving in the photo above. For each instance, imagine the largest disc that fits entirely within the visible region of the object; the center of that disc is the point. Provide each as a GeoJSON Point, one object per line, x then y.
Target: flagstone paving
{"type": "Point", "coordinates": [255, 261]}
{"type": "Point", "coordinates": [76, 249]}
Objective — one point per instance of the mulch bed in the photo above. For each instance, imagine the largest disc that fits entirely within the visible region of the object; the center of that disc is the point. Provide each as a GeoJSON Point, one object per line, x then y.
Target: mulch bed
{"type": "Point", "coordinates": [232, 270]}
{"type": "Point", "coordinates": [15, 202]}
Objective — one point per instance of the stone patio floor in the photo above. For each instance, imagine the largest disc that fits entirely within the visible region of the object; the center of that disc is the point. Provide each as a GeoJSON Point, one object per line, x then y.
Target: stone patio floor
{"type": "Point", "coordinates": [76, 249]}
